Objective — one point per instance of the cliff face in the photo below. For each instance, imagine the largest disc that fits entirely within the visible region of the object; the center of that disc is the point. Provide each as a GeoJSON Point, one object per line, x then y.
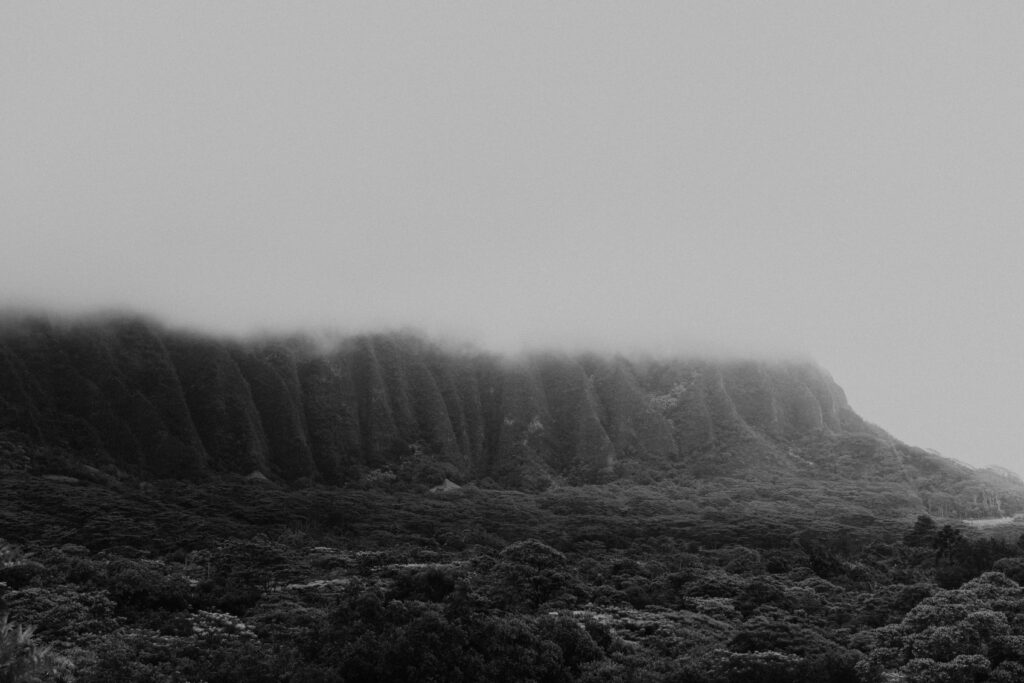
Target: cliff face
{"type": "Point", "coordinates": [156, 403]}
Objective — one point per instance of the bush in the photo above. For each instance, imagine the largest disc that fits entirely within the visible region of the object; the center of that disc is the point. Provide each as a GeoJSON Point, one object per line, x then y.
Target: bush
{"type": "Point", "coordinates": [23, 660]}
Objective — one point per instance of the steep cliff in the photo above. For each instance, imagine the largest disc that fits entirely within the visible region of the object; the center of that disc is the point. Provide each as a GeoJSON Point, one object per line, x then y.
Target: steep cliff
{"type": "Point", "coordinates": [133, 396]}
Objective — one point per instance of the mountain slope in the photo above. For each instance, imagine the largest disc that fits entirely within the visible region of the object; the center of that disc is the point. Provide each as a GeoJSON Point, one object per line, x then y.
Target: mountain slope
{"type": "Point", "coordinates": [137, 398]}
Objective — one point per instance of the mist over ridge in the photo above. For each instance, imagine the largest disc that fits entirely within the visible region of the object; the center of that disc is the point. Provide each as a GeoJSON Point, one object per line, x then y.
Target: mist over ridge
{"type": "Point", "coordinates": [128, 393]}
{"type": "Point", "coordinates": [615, 340]}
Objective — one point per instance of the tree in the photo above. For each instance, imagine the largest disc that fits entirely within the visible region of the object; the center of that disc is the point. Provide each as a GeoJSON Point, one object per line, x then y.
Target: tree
{"type": "Point", "coordinates": [529, 573]}
{"type": "Point", "coordinates": [954, 635]}
{"type": "Point", "coordinates": [923, 533]}
{"type": "Point", "coordinates": [947, 542]}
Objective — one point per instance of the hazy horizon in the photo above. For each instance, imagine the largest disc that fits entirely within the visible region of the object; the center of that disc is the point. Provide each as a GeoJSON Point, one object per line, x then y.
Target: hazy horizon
{"type": "Point", "coordinates": [839, 181]}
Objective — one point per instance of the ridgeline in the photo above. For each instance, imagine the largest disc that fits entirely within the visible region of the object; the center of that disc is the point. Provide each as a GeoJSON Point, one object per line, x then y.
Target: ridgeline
{"type": "Point", "coordinates": [129, 397]}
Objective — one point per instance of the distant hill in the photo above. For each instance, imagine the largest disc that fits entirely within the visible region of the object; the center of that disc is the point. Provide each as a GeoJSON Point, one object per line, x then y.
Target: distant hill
{"type": "Point", "coordinates": [132, 398]}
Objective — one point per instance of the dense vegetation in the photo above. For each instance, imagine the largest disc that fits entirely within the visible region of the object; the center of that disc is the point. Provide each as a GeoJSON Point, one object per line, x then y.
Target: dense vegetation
{"type": "Point", "coordinates": [179, 508]}
{"type": "Point", "coordinates": [719, 580]}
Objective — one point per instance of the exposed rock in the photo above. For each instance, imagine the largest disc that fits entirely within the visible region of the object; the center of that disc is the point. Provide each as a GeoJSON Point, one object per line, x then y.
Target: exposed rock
{"type": "Point", "coordinates": [447, 486]}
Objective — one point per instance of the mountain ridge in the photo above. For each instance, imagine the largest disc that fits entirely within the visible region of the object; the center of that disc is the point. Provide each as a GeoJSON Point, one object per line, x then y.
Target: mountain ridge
{"type": "Point", "coordinates": [130, 395]}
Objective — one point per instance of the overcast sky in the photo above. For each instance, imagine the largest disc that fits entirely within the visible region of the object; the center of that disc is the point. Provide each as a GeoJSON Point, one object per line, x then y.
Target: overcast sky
{"type": "Point", "coordinates": [842, 180]}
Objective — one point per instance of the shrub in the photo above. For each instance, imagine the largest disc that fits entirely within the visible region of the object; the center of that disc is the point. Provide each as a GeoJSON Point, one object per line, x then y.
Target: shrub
{"type": "Point", "coordinates": [23, 660]}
